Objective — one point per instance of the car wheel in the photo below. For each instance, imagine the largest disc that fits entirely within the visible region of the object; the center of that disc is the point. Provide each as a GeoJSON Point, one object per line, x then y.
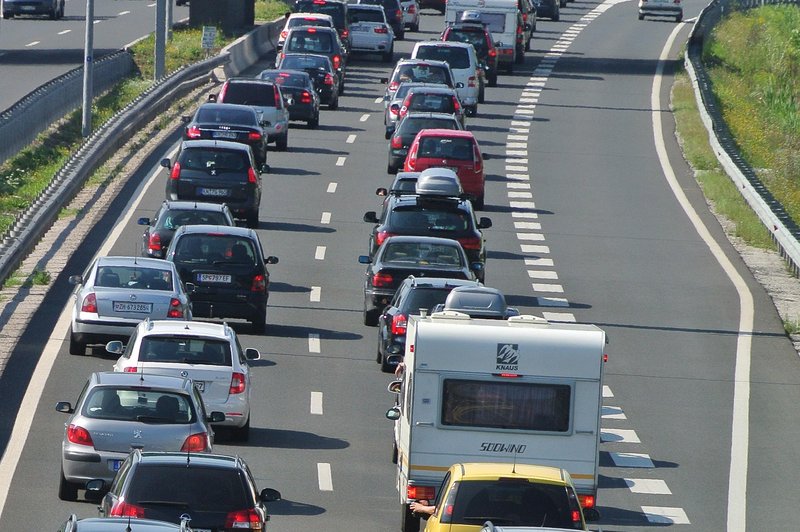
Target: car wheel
{"type": "Point", "coordinates": [410, 522]}
{"type": "Point", "coordinates": [76, 347]}
{"type": "Point", "coordinates": [370, 317]}
{"type": "Point", "coordinates": [556, 16]}
{"type": "Point", "coordinates": [388, 56]}
{"type": "Point", "coordinates": [679, 18]}
{"type": "Point", "coordinates": [252, 220]}
{"type": "Point", "coordinates": [341, 88]}
{"type": "Point", "coordinates": [479, 202]}
{"type": "Point", "coordinates": [641, 16]}
{"type": "Point", "coordinates": [314, 122]}
{"type": "Point", "coordinates": [520, 59]}
{"type": "Point", "coordinates": [493, 79]}
{"type": "Point", "coordinates": [259, 322]}
{"type": "Point", "coordinates": [415, 27]}
{"type": "Point", "coordinates": [390, 169]}
{"type": "Point", "coordinates": [283, 142]}
{"type": "Point", "coordinates": [482, 95]}
{"type": "Point", "coordinates": [67, 491]}
{"type": "Point", "coordinates": [334, 105]}
{"type": "Point", "coordinates": [241, 434]}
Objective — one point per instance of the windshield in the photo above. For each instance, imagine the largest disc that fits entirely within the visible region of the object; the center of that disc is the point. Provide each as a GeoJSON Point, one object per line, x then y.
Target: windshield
{"type": "Point", "coordinates": [260, 94]}
{"type": "Point", "coordinates": [335, 10]}
{"type": "Point", "coordinates": [457, 148]}
{"type": "Point", "coordinates": [423, 73]}
{"type": "Point", "coordinates": [210, 489]}
{"type": "Point", "coordinates": [208, 159]}
{"type": "Point", "coordinates": [132, 404]}
{"type": "Point", "coordinates": [220, 115]}
{"type": "Point", "coordinates": [475, 38]}
{"type": "Point", "coordinates": [411, 126]}
{"type": "Point", "coordinates": [224, 250]}
{"type": "Point", "coordinates": [185, 350]}
{"type": "Point", "coordinates": [173, 219]}
{"type": "Point", "coordinates": [432, 103]}
{"type": "Point", "coordinates": [303, 62]}
{"type": "Point", "coordinates": [456, 57]}
{"type": "Point", "coordinates": [422, 254]}
{"type": "Point", "coordinates": [286, 79]}
{"type": "Point", "coordinates": [315, 43]}
{"type": "Point", "coordinates": [365, 15]}
{"type": "Point", "coordinates": [140, 278]}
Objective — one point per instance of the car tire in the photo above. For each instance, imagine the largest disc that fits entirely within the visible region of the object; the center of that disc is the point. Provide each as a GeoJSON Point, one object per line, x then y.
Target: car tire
{"type": "Point", "coordinates": [385, 366]}
{"type": "Point", "coordinates": [252, 220]}
{"type": "Point", "coordinates": [556, 15]}
{"type": "Point", "coordinates": [370, 317]}
{"type": "Point", "coordinates": [334, 105]}
{"type": "Point", "coordinates": [409, 522]}
{"type": "Point", "coordinates": [520, 59]}
{"type": "Point", "coordinates": [67, 491]}
{"type": "Point", "coordinates": [75, 347]}
{"type": "Point", "coordinates": [259, 322]}
{"type": "Point", "coordinates": [415, 27]}
{"type": "Point", "coordinates": [493, 79]}
{"type": "Point", "coordinates": [241, 434]}
{"type": "Point", "coordinates": [388, 56]}
{"type": "Point", "coordinates": [282, 144]}
{"type": "Point", "coordinates": [641, 16]}
{"type": "Point", "coordinates": [679, 18]}
{"type": "Point", "coordinates": [482, 94]}
{"type": "Point", "coordinates": [479, 202]}
{"type": "Point", "coordinates": [341, 88]}
{"type": "Point", "coordinates": [314, 122]}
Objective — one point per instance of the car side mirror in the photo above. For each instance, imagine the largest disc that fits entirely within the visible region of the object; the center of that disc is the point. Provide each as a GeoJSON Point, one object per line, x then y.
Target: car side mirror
{"type": "Point", "coordinates": [384, 80]}
{"type": "Point", "coordinates": [212, 97]}
{"type": "Point", "coordinates": [216, 417]}
{"type": "Point", "coordinates": [269, 495]}
{"type": "Point", "coordinates": [189, 288]}
{"type": "Point", "coordinates": [251, 353]}
{"type": "Point", "coordinates": [75, 279]}
{"type": "Point", "coordinates": [166, 163]}
{"type": "Point", "coordinates": [389, 132]}
{"type": "Point", "coordinates": [476, 266]}
{"type": "Point", "coordinates": [186, 119]}
{"type": "Point", "coordinates": [115, 346]}
{"type": "Point", "coordinates": [271, 260]}
{"type": "Point", "coordinates": [364, 259]}
{"type": "Point", "coordinates": [64, 407]}
{"type": "Point", "coordinates": [484, 223]}
{"type": "Point", "coordinates": [371, 217]}
{"type": "Point", "coordinates": [95, 489]}
{"type": "Point", "coordinates": [393, 414]}
{"type": "Point", "coordinates": [143, 221]}
{"type": "Point", "coordinates": [380, 191]}
{"type": "Point", "coordinates": [459, 85]}
{"type": "Point", "coordinates": [395, 386]}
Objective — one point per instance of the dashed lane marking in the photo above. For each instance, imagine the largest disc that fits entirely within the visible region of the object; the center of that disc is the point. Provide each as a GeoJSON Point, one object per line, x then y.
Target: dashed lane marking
{"type": "Point", "coordinates": [538, 237]}
{"type": "Point", "coordinates": [550, 275]}
{"type": "Point", "coordinates": [340, 161]}
{"type": "Point", "coordinates": [326, 218]}
{"type": "Point", "coordinates": [351, 139]}
{"type": "Point", "coordinates": [632, 460]}
{"type": "Point", "coordinates": [538, 261]}
{"type": "Point", "coordinates": [519, 194]}
{"type": "Point", "coordinates": [316, 403]}
{"type": "Point", "coordinates": [613, 412]}
{"type": "Point", "coordinates": [566, 317]}
{"type": "Point", "coordinates": [665, 516]}
{"type": "Point", "coordinates": [534, 249]}
{"type": "Point", "coordinates": [364, 117]}
{"type": "Point", "coordinates": [34, 43]}
{"type": "Point", "coordinates": [316, 294]}
{"type": "Point", "coordinates": [332, 188]}
{"type": "Point", "coordinates": [619, 436]}
{"type": "Point", "coordinates": [319, 254]}
{"type": "Point", "coordinates": [64, 32]}
{"type": "Point", "coordinates": [552, 302]}
{"type": "Point", "coordinates": [324, 476]}
{"type": "Point", "coordinates": [550, 288]}
{"type": "Point", "coordinates": [313, 343]}
{"type": "Point", "coordinates": [121, 13]}
{"type": "Point", "coordinates": [527, 225]}
{"type": "Point", "coordinates": [651, 486]}
{"type": "Point", "coordinates": [607, 393]}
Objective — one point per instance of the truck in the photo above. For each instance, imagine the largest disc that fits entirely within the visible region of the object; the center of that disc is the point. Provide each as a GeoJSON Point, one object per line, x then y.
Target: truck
{"type": "Point", "coordinates": [519, 390]}
{"type": "Point", "coordinates": [504, 21]}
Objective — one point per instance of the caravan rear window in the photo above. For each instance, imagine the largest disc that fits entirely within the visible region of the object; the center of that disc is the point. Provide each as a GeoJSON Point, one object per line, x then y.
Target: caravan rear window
{"type": "Point", "coordinates": [494, 22]}
{"type": "Point", "coordinates": [506, 405]}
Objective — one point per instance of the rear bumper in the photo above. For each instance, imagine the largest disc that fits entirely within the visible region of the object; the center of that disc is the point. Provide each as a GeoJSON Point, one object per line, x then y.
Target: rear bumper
{"type": "Point", "coordinates": [666, 10]}
{"type": "Point", "coordinates": [302, 112]}
{"type": "Point", "coordinates": [227, 305]}
{"type": "Point", "coordinates": [81, 466]}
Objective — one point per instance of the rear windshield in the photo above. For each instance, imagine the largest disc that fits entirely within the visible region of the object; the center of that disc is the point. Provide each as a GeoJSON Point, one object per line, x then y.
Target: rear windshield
{"type": "Point", "coordinates": [308, 21]}
{"type": "Point", "coordinates": [430, 220]}
{"type": "Point", "coordinates": [412, 126]}
{"type": "Point", "coordinates": [144, 405]}
{"type": "Point", "coordinates": [173, 219]}
{"type": "Point", "coordinates": [184, 350]}
{"type": "Point", "coordinates": [259, 94]}
{"type": "Point", "coordinates": [134, 277]}
{"type": "Point", "coordinates": [335, 9]}
{"type": "Point", "coordinates": [215, 159]}
{"type": "Point", "coordinates": [513, 502]}
{"type": "Point", "coordinates": [220, 250]}
{"type": "Point", "coordinates": [302, 62]}
{"type": "Point", "coordinates": [305, 42]}
{"type": "Point", "coordinates": [425, 298]}
{"type": "Point", "coordinates": [405, 185]}
{"type": "Point", "coordinates": [365, 15]}
{"type": "Point", "coordinates": [456, 57]}
{"type": "Point", "coordinates": [221, 115]}
{"type": "Point", "coordinates": [286, 79]}
{"type": "Point", "coordinates": [433, 103]}
{"type": "Point", "coordinates": [476, 38]}
{"type": "Point", "coordinates": [385, 4]}
{"type": "Point", "coordinates": [209, 489]}
{"type": "Point", "coordinates": [422, 73]}
{"type": "Point", "coordinates": [422, 254]}
{"type": "Point", "coordinates": [459, 149]}
{"type": "Point", "coordinates": [494, 22]}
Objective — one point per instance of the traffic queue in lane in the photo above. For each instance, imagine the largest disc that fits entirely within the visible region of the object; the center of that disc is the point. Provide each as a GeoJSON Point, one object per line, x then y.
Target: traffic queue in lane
{"type": "Point", "coordinates": [226, 247]}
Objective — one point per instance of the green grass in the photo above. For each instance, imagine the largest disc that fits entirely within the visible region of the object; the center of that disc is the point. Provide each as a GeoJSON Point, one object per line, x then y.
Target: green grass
{"type": "Point", "coordinates": [267, 10]}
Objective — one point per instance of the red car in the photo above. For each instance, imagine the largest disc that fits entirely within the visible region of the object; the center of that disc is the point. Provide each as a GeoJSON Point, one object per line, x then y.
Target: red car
{"type": "Point", "coordinates": [456, 150]}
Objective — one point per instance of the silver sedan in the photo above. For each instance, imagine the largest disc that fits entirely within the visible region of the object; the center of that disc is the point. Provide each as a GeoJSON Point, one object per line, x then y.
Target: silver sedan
{"type": "Point", "coordinates": [116, 293]}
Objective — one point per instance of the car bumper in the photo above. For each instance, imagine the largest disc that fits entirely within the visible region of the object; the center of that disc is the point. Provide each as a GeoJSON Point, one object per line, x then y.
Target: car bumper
{"type": "Point", "coordinates": [377, 299]}
{"type": "Point", "coordinates": [83, 465]}
{"type": "Point", "coordinates": [372, 45]}
{"type": "Point", "coordinates": [302, 112]}
{"type": "Point", "coordinates": [97, 331]}
{"type": "Point", "coordinates": [397, 158]}
{"type": "Point", "coordinates": [236, 410]}
{"type": "Point", "coordinates": [276, 131]}
{"type": "Point", "coordinates": [227, 305]}
{"type": "Point", "coordinates": [23, 9]}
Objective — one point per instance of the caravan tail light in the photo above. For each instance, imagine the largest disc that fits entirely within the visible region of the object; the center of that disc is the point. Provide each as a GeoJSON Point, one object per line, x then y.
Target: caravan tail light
{"type": "Point", "coordinates": [399, 323]}
{"type": "Point", "coordinates": [418, 493]}
{"type": "Point", "coordinates": [587, 501]}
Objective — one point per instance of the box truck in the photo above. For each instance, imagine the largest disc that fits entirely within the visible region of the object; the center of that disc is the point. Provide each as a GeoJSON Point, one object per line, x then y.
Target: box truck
{"type": "Point", "coordinates": [480, 390]}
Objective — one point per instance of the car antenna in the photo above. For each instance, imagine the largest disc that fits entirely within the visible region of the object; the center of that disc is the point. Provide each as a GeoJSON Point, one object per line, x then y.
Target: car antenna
{"type": "Point", "coordinates": [514, 464]}
{"type": "Point", "coordinates": [128, 528]}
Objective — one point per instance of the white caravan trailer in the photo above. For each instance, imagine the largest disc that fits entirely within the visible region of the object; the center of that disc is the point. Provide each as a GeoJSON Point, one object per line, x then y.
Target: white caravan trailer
{"type": "Point", "coordinates": [503, 20]}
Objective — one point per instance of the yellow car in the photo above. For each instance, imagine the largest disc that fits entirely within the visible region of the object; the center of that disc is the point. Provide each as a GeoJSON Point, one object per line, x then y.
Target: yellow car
{"type": "Point", "coordinates": [507, 495]}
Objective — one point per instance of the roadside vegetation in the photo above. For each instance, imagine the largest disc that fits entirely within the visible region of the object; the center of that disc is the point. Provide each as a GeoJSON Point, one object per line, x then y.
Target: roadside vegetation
{"type": "Point", "coordinates": [23, 177]}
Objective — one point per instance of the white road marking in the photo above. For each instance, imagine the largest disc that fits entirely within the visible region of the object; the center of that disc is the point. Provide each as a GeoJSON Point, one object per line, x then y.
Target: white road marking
{"type": "Point", "coordinates": [552, 302]}
{"type": "Point", "coordinates": [340, 161]}
{"type": "Point", "coordinates": [517, 137]}
{"type": "Point", "coordinates": [566, 317]}
{"type": "Point", "coordinates": [520, 127]}
{"type": "Point", "coordinates": [96, 22]}
{"type": "Point", "coordinates": [527, 215]}
{"type": "Point", "coordinates": [522, 205]}
{"type": "Point", "coordinates": [64, 32]}
{"type": "Point", "coordinates": [607, 391]}
{"type": "Point", "coordinates": [326, 218]}
{"type": "Point", "coordinates": [516, 153]}
{"type": "Point", "coordinates": [34, 43]}
{"type": "Point", "coordinates": [319, 254]}
{"type": "Point", "coordinates": [122, 13]}
{"type": "Point", "coordinates": [538, 261]}
{"type": "Point", "coordinates": [316, 294]}
{"type": "Point", "coordinates": [518, 186]}
{"type": "Point", "coordinates": [543, 274]}
{"type": "Point", "coordinates": [313, 343]}
{"type": "Point", "coordinates": [519, 195]}
{"type": "Point", "coordinates": [316, 403]}
{"type": "Point", "coordinates": [332, 188]}
{"type": "Point", "coordinates": [519, 177]}
{"type": "Point", "coordinates": [324, 475]}
{"type": "Point", "coordinates": [532, 248]}
{"type": "Point", "coordinates": [521, 159]}
{"type": "Point", "coordinates": [613, 412]}
{"type": "Point", "coordinates": [379, 100]}
{"type": "Point", "coordinates": [151, 5]}
{"type": "Point", "coordinates": [619, 436]}
{"type": "Point", "coordinates": [527, 225]}
{"type": "Point", "coordinates": [668, 516]}
{"type": "Point", "coordinates": [351, 139]}
{"type": "Point", "coordinates": [631, 460]}
{"type": "Point", "coordinates": [651, 486]}
{"type": "Point", "coordinates": [536, 237]}
{"type": "Point", "coordinates": [550, 288]}
{"type": "Point", "coordinates": [364, 117]}
{"type": "Point", "coordinates": [517, 144]}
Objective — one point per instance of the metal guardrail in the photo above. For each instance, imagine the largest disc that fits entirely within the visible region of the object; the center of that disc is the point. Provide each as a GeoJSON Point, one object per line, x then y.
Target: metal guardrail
{"type": "Point", "coordinates": [785, 232]}
{"type": "Point", "coordinates": [29, 226]}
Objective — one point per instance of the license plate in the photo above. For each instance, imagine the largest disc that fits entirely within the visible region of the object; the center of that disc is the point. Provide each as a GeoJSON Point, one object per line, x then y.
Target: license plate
{"type": "Point", "coordinates": [200, 385]}
{"type": "Point", "coordinates": [114, 465]}
{"type": "Point", "coordinates": [216, 192]}
{"type": "Point", "coordinates": [126, 306]}
{"type": "Point", "coordinates": [224, 135]}
{"type": "Point", "coordinates": [213, 278]}
{"type": "Point", "coordinates": [27, 8]}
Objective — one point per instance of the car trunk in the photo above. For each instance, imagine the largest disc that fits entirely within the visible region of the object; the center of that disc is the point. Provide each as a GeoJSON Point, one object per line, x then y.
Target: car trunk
{"type": "Point", "coordinates": [400, 273]}
{"type": "Point", "coordinates": [216, 185]}
{"type": "Point", "coordinates": [123, 303]}
{"type": "Point", "coordinates": [123, 436]}
{"type": "Point", "coordinates": [213, 382]}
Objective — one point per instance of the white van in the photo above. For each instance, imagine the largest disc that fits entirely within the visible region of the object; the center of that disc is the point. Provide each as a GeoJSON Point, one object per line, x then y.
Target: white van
{"type": "Point", "coordinates": [463, 63]}
{"type": "Point", "coordinates": [480, 390]}
{"type": "Point", "coordinates": [503, 20]}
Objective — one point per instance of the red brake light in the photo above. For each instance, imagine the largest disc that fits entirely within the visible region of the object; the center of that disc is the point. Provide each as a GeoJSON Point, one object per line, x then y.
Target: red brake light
{"type": "Point", "coordinates": [345, 33]}
{"type": "Point", "coordinates": [312, 30]}
{"type": "Point", "coordinates": [154, 242]}
{"type": "Point", "coordinates": [89, 303]}
{"type": "Point", "coordinates": [196, 443]}
{"type": "Point", "coordinates": [471, 81]}
{"type": "Point", "coordinates": [399, 323]}
{"type": "Point", "coordinates": [420, 493]}
{"type": "Point", "coordinates": [492, 52]}
{"type": "Point", "coordinates": [328, 79]}
{"type": "Point", "coordinates": [337, 61]}
{"type": "Point", "coordinates": [587, 501]}
{"type": "Point", "coordinates": [411, 159]}
{"type": "Point", "coordinates": [477, 159]}
{"type": "Point", "coordinates": [131, 369]}
{"type": "Point", "coordinates": [284, 33]}
{"type": "Point", "coordinates": [381, 29]}
{"type": "Point", "coordinates": [397, 142]}
{"type": "Point", "coordinates": [381, 236]}
{"type": "Point", "coordinates": [126, 509]}
{"type": "Point", "coordinates": [412, 9]}
{"type": "Point", "coordinates": [456, 104]}
{"type": "Point", "coordinates": [319, 2]}
{"type": "Point", "coordinates": [251, 176]}
{"type": "Point", "coordinates": [305, 97]}
{"type": "Point", "coordinates": [524, 17]}
{"type": "Point", "coordinates": [176, 171]}
{"type": "Point", "coordinates": [576, 516]}
{"type": "Point", "coordinates": [193, 132]}
{"type": "Point", "coordinates": [175, 308]}
{"type": "Point", "coordinates": [278, 100]}
{"type": "Point", "coordinates": [79, 435]}
{"type": "Point", "coordinates": [247, 519]}
{"type": "Point", "coordinates": [519, 30]}
{"type": "Point", "coordinates": [237, 383]}
{"type": "Point", "coordinates": [393, 85]}
{"type": "Point", "coordinates": [223, 90]}
{"type": "Point", "coordinates": [254, 135]}
{"type": "Point", "coordinates": [259, 283]}
{"type": "Point", "coordinates": [399, 13]}
{"type": "Point", "coordinates": [382, 279]}
{"type": "Point", "coordinates": [471, 243]}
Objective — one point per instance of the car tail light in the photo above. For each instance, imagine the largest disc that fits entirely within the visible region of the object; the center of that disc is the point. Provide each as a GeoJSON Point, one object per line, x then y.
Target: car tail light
{"type": "Point", "coordinates": [399, 323]}
{"type": "Point", "coordinates": [345, 34]}
{"type": "Point", "coordinates": [381, 29]}
{"type": "Point", "coordinates": [398, 14]}
{"type": "Point", "coordinates": [492, 52]}
{"type": "Point", "coordinates": [89, 303]}
{"type": "Point", "coordinates": [247, 519]}
{"type": "Point", "coordinates": [337, 61]}
{"type": "Point", "coordinates": [254, 135]}
{"type": "Point", "coordinates": [154, 242]}
{"type": "Point", "coordinates": [382, 236]}
{"type": "Point", "coordinates": [406, 105]}
{"type": "Point", "coordinates": [328, 79]}
{"type": "Point", "coordinates": [576, 516]}
{"type": "Point", "coordinates": [524, 17]}
{"type": "Point", "coordinates": [284, 33]}
{"type": "Point", "coordinates": [131, 369]}
{"type": "Point", "coordinates": [420, 492]}
{"type": "Point", "coordinates": [79, 436]}
{"type": "Point", "coordinates": [393, 86]}
{"type": "Point", "coordinates": [175, 308]}
{"type": "Point", "coordinates": [305, 97]}
{"type": "Point", "coordinates": [237, 383]}
{"type": "Point", "coordinates": [411, 159]}
{"type": "Point", "coordinates": [222, 92]}
{"type": "Point", "coordinates": [587, 501]}
{"type": "Point", "coordinates": [277, 96]}
{"type": "Point", "coordinates": [397, 142]}
{"type": "Point", "coordinates": [471, 81]}
{"type": "Point", "coordinates": [476, 158]}
{"type": "Point", "coordinates": [281, 56]}
{"type": "Point", "coordinates": [193, 132]}
{"type": "Point", "coordinates": [196, 443]}
{"type": "Point", "coordinates": [319, 2]}
{"type": "Point", "coordinates": [382, 279]}
{"type": "Point", "coordinates": [251, 176]}
{"type": "Point", "coordinates": [507, 51]}
{"type": "Point", "coordinates": [259, 283]}
{"type": "Point", "coordinates": [126, 509]}
{"type": "Point", "coordinates": [412, 9]}
{"type": "Point", "coordinates": [472, 243]}
{"type": "Point", "coordinates": [175, 173]}
{"type": "Point", "coordinates": [519, 30]}
{"type": "Point", "coordinates": [456, 104]}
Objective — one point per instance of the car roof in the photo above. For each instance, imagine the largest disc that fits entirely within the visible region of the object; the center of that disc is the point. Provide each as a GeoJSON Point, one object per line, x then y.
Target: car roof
{"type": "Point", "coordinates": [113, 378]}
{"type": "Point", "coordinates": [418, 114]}
{"type": "Point", "coordinates": [433, 240]}
{"type": "Point", "coordinates": [209, 143]}
{"type": "Point", "coordinates": [496, 470]}
{"type": "Point", "coordinates": [227, 106]}
{"type": "Point", "coordinates": [221, 461]}
{"type": "Point", "coordinates": [218, 229]}
{"type": "Point", "coordinates": [121, 524]}
{"type": "Point", "coordinates": [434, 132]}
{"type": "Point", "coordinates": [442, 44]}
{"type": "Point", "coordinates": [439, 282]}
{"type": "Point", "coordinates": [195, 205]}
{"type": "Point", "coordinates": [477, 301]}
{"type": "Point", "coordinates": [185, 328]}
{"type": "Point", "coordinates": [134, 261]}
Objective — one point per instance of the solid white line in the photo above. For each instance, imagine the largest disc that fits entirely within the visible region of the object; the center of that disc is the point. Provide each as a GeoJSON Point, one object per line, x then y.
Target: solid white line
{"type": "Point", "coordinates": [316, 403]}
{"type": "Point", "coordinates": [740, 427]}
{"type": "Point", "coordinates": [64, 32]}
{"type": "Point", "coordinates": [364, 117]}
{"type": "Point", "coordinates": [34, 43]}
{"type": "Point", "coordinates": [351, 139]}
{"type": "Point", "coordinates": [313, 343]}
{"type": "Point", "coordinates": [319, 254]}
{"type": "Point", "coordinates": [332, 188]}
{"type": "Point", "coordinates": [324, 475]}
{"type": "Point", "coordinates": [340, 161]}
{"type": "Point", "coordinates": [316, 294]}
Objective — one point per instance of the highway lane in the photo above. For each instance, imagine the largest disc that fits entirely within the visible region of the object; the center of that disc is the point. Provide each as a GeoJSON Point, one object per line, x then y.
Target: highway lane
{"type": "Point", "coordinates": [34, 50]}
{"type": "Point", "coordinates": [624, 255]}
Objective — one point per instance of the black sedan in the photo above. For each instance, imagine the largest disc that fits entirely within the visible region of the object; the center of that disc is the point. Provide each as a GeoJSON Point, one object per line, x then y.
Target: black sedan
{"type": "Point", "coordinates": [401, 137]}
{"type": "Point", "coordinates": [304, 98]}
{"type": "Point", "coordinates": [401, 256]}
{"type": "Point", "coordinates": [226, 121]}
{"type": "Point", "coordinates": [327, 79]}
{"type": "Point", "coordinates": [173, 214]}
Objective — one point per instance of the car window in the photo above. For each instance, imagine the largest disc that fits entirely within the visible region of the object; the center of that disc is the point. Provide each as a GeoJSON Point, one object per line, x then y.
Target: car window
{"type": "Point", "coordinates": [476, 39]}
{"type": "Point", "coordinates": [220, 115]}
{"type": "Point", "coordinates": [432, 103]}
{"type": "Point", "coordinates": [421, 254]}
{"type": "Point", "coordinates": [458, 148]}
{"type": "Point", "coordinates": [456, 57]}
{"type": "Point", "coordinates": [424, 298]}
{"type": "Point", "coordinates": [365, 15]}
{"type": "Point", "coordinates": [422, 73]}
{"type": "Point", "coordinates": [259, 94]}
{"type": "Point", "coordinates": [173, 219]}
{"type": "Point", "coordinates": [215, 160]}
{"type": "Point", "coordinates": [240, 351]}
{"type": "Point", "coordinates": [306, 42]}
{"type": "Point", "coordinates": [494, 22]}
{"type": "Point", "coordinates": [430, 220]}
{"type": "Point", "coordinates": [150, 406]}
{"type": "Point", "coordinates": [140, 278]}
{"type": "Point", "coordinates": [208, 488]}
{"type": "Point", "coordinates": [197, 248]}
{"type": "Point", "coordinates": [186, 350]}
